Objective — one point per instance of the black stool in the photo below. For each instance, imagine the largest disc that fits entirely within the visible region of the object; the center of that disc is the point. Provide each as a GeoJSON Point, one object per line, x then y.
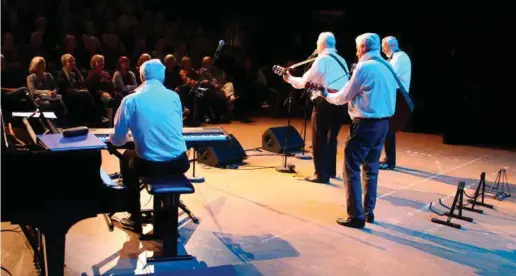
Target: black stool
{"type": "Point", "coordinates": [166, 191]}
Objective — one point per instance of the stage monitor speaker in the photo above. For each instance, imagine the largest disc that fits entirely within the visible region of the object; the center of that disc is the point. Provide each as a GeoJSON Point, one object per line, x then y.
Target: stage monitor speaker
{"type": "Point", "coordinates": [222, 155]}
{"type": "Point", "coordinates": [273, 139]}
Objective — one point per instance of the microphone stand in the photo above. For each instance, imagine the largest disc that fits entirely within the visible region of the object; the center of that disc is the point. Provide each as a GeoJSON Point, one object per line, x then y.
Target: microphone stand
{"type": "Point", "coordinates": [287, 168]}
{"type": "Point", "coordinates": [302, 155]}
{"type": "Point", "coordinates": [204, 75]}
{"type": "Point", "coordinates": [47, 126]}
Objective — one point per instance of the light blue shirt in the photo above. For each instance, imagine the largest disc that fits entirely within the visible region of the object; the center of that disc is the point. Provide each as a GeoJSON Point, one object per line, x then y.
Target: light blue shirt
{"type": "Point", "coordinates": [325, 71]}
{"type": "Point", "coordinates": [401, 64]}
{"type": "Point", "coordinates": [371, 91]}
{"type": "Point", "coordinates": [154, 116]}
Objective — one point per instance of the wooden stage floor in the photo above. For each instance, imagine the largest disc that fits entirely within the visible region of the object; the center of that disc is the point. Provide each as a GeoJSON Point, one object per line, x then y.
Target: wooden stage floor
{"type": "Point", "coordinates": [256, 221]}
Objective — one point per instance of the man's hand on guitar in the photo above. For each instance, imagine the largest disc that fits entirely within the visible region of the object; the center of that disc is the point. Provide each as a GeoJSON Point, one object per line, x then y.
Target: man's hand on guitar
{"type": "Point", "coordinates": [286, 76]}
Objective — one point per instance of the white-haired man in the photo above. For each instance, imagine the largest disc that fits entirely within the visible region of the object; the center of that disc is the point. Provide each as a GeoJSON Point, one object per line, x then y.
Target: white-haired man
{"type": "Point", "coordinates": [371, 94]}
{"type": "Point", "coordinates": [329, 69]}
{"type": "Point", "coordinates": [154, 116]}
{"type": "Point", "coordinates": [402, 66]}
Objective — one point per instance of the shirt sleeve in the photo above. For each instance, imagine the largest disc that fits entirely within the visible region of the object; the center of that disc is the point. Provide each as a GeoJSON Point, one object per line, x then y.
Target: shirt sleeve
{"type": "Point", "coordinates": [31, 85]}
{"type": "Point", "coordinates": [118, 81]}
{"type": "Point", "coordinates": [350, 90]}
{"type": "Point", "coordinates": [119, 135]}
{"type": "Point", "coordinates": [314, 74]}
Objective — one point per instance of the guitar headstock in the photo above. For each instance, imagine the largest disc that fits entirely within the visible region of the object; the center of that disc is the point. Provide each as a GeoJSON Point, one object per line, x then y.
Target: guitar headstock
{"type": "Point", "coordinates": [279, 70]}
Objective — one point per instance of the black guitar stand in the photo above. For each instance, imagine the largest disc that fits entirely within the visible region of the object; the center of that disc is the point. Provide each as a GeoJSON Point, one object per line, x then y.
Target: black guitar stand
{"type": "Point", "coordinates": [501, 179]}
{"type": "Point", "coordinates": [458, 203]}
{"type": "Point", "coordinates": [287, 168]}
{"type": "Point", "coordinates": [479, 192]}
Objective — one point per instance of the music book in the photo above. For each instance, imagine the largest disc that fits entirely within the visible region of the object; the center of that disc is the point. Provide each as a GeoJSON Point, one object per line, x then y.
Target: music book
{"type": "Point", "coordinates": [57, 142]}
{"type": "Point", "coordinates": [48, 115]}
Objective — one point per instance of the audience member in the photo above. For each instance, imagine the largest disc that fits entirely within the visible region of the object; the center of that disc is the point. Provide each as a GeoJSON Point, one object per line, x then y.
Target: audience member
{"type": "Point", "coordinates": [100, 83]}
{"type": "Point", "coordinates": [76, 96]}
{"type": "Point", "coordinates": [143, 58]}
{"type": "Point", "coordinates": [13, 91]}
{"type": "Point", "coordinates": [123, 78]}
{"type": "Point", "coordinates": [172, 77]}
{"type": "Point", "coordinates": [43, 88]}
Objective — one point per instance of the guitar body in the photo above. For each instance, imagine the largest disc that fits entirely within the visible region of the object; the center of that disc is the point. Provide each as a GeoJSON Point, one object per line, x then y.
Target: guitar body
{"type": "Point", "coordinates": [403, 113]}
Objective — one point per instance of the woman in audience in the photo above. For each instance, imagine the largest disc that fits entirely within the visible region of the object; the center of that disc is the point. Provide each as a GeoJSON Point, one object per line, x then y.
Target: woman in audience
{"type": "Point", "coordinates": [43, 88]}
{"type": "Point", "coordinates": [100, 84]}
{"type": "Point", "coordinates": [76, 95]}
{"type": "Point", "coordinates": [143, 58]}
{"type": "Point", "coordinates": [123, 79]}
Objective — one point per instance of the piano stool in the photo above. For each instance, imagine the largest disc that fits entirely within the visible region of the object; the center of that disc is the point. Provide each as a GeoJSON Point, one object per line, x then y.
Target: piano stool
{"type": "Point", "coordinates": [167, 191]}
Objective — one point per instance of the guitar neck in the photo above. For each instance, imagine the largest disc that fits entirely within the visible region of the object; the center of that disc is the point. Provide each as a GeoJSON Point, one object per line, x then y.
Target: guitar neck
{"type": "Point", "coordinates": [301, 63]}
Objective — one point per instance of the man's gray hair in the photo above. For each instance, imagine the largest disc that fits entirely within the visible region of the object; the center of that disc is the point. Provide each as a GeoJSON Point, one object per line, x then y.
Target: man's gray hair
{"type": "Point", "coordinates": [370, 40]}
{"type": "Point", "coordinates": [328, 38]}
{"type": "Point", "coordinates": [392, 42]}
{"type": "Point", "coordinates": [153, 70]}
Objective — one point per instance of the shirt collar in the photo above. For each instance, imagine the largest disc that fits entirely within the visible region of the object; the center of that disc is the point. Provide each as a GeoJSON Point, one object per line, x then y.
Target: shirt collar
{"type": "Point", "coordinates": [328, 51]}
{"type": "Point", "coordinates": [152, 82]}
{"type": "Point", "coordinates": [369, 55]}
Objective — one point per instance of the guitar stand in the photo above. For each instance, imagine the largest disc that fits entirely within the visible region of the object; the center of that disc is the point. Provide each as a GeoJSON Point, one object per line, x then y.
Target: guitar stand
{"type": "Point", "coordinates": [458, 203]}
{"type": "Point", "coordinates": [479, 192]}
{"type": "Point", "coordinates": [501, 179]}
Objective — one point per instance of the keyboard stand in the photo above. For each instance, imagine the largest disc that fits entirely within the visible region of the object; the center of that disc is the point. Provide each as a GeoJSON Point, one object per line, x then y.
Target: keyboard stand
{"type": "Point", "coordinates": [194, 178]}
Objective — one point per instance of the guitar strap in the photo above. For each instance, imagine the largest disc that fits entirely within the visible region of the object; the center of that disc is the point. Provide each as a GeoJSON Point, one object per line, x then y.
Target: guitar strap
{"type": "Point", "coordinates": [340, 63]}
{"type": "Point", "coordinates": [402, 88]}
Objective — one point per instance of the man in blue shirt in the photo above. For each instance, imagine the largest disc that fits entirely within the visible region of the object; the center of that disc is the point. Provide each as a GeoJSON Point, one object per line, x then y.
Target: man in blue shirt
{"type": "Point", "coordinates": [154, 116]}
{"type": "Point", "coordinates": [371, 94]}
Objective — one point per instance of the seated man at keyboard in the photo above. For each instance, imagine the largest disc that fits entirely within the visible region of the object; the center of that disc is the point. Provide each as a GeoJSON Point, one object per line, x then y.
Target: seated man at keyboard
{"type": "Point", "coordinates": [154, 116]}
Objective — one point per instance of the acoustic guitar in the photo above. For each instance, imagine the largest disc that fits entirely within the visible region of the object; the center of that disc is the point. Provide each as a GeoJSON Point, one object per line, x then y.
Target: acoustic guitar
{"type": "Point", "coordinates": [313, 89]}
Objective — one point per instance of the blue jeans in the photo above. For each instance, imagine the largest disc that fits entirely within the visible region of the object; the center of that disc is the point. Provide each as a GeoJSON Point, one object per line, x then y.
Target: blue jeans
{"type": "Point", "coordinates": [363, 148]}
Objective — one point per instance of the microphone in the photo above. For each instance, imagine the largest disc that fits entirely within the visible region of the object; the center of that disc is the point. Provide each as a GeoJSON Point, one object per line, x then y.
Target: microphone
{"type": "Point", "coordinates": [221, 44]}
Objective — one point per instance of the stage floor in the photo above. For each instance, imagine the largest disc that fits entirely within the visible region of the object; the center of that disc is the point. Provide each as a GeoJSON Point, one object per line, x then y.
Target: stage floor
{"type": "Point", "coordinates": [256, 221]}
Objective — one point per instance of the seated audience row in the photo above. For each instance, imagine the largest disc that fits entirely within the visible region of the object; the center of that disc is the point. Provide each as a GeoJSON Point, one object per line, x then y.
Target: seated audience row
{"type": "Point", "coordinates": [94, 100]}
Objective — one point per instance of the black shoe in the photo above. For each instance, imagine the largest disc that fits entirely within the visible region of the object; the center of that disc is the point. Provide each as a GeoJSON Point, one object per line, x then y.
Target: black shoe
{"type": "Point", "coordinates": [317, 179]}
{"type": "Point", "coordinates": [385, 166]}
{"type": "Point", "coordinates": [129, 224]}
{"type": "Point", "coordinates": [370, 217]}
{"type": "Point", "coordinates": [352, 222]}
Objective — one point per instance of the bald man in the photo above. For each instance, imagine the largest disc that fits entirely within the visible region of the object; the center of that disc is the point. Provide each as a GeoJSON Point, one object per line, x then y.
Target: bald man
{"type": "Point", "coordinates": [401, 64]}
{"type": "Point", "coordinates": [330, 70]}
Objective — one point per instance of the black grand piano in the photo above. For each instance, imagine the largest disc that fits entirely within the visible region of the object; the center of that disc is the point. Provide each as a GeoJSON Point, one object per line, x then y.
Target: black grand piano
{"type": "Point", "coordinates": [47, 192]}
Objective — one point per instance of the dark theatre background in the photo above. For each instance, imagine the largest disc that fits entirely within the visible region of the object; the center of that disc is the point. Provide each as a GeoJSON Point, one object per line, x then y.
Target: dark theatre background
{"type": "Point", "coordinates": [463, 69]}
